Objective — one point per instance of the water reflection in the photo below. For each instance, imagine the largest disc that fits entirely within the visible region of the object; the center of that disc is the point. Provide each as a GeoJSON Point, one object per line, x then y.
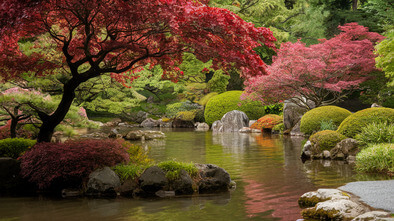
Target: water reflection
{"type": "Point", "coordinates": [269, 173]}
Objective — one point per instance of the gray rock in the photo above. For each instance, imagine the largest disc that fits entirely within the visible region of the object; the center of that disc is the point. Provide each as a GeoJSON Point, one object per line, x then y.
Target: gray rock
{"type": "Point", "coordinates": [165, 194]}
{"type": "Point", "coordinates": [134, 135]}
{"type": "Point", "coordinates": [372, 215]}
{"type": "Point", "coordinates": [184, 184]}
{"type": "Point", "coordinates": [149, 122]}
{"type": "Point", "coordinates": [345, 148]}
{"type": "Point", "coordinates": [292, 113]}
{"type": "Point", "coordinates": [213, 179]}
{"type": "Point", "coordinates": [127, 188]}
{"type": "Point", "coordinates": [165, 124]}
{"type": "Point", "coordinates": [138, 117]}
{"type": "Point", "coordinates": [96, 135]}
{"type": "Point", "coordinates": [216, 125]}
{"type": "Point", "coordinates": [178, 123]}
{"type": "Point", "coordinates": [338, 209]}
{"type": "Point", "coordinates": [251, 122]}
{"type": "Point", "coordinates": [144, 135]}
{"type": "Point", "coordinates": [201, 126]}
{"type": "Point", "coordinates": [11, 181]}
{"type": "Point", "coordinates": [232, 121]}
{"type": "Point", "coordinates": [150, 135]}
{"type": "Point", "coordinates": [102, 182]}
{"type": "Point", "coordinates": [152, 180]}
{"type": "Point", "coordinates": [245, 130]}
{"type": "Point", "coordinates": [326, 154]}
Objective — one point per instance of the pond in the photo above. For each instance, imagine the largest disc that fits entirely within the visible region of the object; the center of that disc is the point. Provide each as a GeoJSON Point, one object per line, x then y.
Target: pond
{"type": "Point", "coordinates": [269, 173]}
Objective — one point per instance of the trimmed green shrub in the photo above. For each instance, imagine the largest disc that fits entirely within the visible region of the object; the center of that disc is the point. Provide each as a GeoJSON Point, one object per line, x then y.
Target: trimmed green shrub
{"type": "Point", "coordinates": [14, 147]}
{"type": "Point", "coordinates": [221, 104]}
{"type": "Point", "coordinates": [173, 169]}
{"type": "Point", "coordinates": [375, 133]}
{"type": "Point", "coordinates": [186, 115]}
{"type": "Point", "coordinates": [376, 158]}
{"type": "Point", "coordinates": [311, 121]}
{"type": "Point", "coordinates": [326, 139]}
{"type": "Point", "coordinates": [267, 122]}
{"type": "Point", "coordinates": [353, 124]}
{"type": "Point", "coordinates": [204, 100]}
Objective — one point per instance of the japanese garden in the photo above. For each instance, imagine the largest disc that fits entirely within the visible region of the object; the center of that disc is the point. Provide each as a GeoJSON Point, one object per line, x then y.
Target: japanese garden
{"type": "Point", "coordinates": [196, 109]}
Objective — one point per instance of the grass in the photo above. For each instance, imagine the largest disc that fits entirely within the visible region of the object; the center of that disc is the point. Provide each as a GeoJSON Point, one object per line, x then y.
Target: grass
{"type": "Point", "coordinates": [173, 169]}
{"type": "Point", "coordinates": [376, 158]}
{"type": "Point", "coordinates": [375, 133]}
{"type": "Point", "coordinates": [129, 171]}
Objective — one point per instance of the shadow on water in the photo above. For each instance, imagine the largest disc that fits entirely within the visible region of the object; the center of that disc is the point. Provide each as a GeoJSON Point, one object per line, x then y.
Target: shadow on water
{"type": "Point", "coordinates": [269, 173]}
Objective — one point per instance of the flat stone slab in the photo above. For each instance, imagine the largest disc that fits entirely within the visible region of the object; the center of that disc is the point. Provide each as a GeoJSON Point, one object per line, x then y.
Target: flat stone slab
{"type": "Point", "coordinates": [377, 194]}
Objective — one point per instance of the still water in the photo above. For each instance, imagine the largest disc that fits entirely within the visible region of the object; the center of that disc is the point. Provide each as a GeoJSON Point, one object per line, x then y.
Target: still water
{"type": "Point", "coordinates": [269, 174]}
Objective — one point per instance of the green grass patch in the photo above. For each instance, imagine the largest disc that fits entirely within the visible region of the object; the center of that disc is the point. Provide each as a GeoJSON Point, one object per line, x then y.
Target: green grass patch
{"type": "Point", "coordinates": [376, 158]}
{"type": "Point", "coordinates": [173, 169]}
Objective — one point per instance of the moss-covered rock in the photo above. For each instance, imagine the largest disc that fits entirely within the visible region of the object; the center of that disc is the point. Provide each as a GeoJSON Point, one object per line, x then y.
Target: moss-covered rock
{"type": "Point", "coordinates": [219, 105]}
{"type": "Point", "coordinates": [326, 139]}
{"type": "Point", "coordinates": [353, 124]}
{"type": "Point", "coordinates": [311, 121]}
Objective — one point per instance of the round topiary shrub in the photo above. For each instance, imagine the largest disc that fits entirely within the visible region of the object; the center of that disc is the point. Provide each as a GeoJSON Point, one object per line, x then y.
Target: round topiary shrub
{"type": "Point", "coordinates": [312, 120]}
{"type": "Point", "coordinates": [326, 139]}
{"type": "Point", "coordinates": [14, 147]}
{"type": "Point", "coordinates": [353, 124]}
{"type": "Point", "coordinates": [219, 105]}
{"type": "Point", "coordinates": [267, 122]}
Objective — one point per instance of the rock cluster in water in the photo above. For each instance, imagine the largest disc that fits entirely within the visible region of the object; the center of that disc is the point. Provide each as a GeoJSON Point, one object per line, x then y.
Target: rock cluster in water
{"type": "Point", "coordinates": [344, 150]}
{"type": "Point", "coordinates": [333, 204]}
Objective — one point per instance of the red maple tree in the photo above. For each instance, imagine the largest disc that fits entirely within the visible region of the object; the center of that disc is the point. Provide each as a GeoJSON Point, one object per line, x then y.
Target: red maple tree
{"type": "Point", "coordinates": [323, 73]}
{"type": "Point", "coordinates": [96, 37]}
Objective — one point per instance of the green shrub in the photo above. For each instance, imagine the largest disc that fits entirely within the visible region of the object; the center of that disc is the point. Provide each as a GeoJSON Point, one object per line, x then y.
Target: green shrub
{"type": "Point", "coordinates": [138, 155]}
{"type": "Point", "coordinates": [218, 82]}
{"type": "Point", "coordinates": [204, 100]}
{"type": "Point", "coordinates": [173, 169]}
{"type": "Point", "coordinates": [353, 124]}
{"type": "Point", "coordinates": [376, 158]}
{"type": "Point", "coordinates": [279, 127]}
{"type": "Point", "coordinates": [129, 171]}
{"type": "Point", "coordinates": [173, 109]}
{"type": "Point", "coordinates": [219, 105]}
{"type": "Point", "coordinates": [186, 115]}
{"type": "Point", "coordinates": [328, 125]}
{"type": "Point", "coordinates": [274, 108]}
{"type": "Point", "coordinates": [14, 147]}
{"type": "Point", "coordinates": [375, 133]}
{"type": "Point", "coordinates": [311, 121]}
{"type": "Point", "coordinates": [199, 115]}
{"type": "Point", "coordinates": [326, 139]}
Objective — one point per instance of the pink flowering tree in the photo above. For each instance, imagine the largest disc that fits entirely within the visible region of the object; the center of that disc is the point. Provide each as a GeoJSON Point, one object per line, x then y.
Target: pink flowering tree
{"type": "Point", "coordinates": [323, 73]}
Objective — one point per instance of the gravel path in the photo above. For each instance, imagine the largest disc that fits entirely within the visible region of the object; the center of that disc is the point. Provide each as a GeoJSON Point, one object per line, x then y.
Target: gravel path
{"type": "Point", "coordinates": [377, 194]}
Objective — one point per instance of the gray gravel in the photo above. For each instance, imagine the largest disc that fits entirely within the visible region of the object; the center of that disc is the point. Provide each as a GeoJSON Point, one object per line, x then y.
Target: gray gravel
{"type": "Point", "coordinates": [377, 194]}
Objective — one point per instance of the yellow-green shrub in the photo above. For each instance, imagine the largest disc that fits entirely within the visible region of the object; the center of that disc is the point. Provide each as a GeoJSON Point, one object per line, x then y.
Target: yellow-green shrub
{"type": "Point", "coordinates": [326, 139]}
{"type": "Point", "coordinates": [219, 105]}
{"type": "Point", "coordinates": [14, 147]}
{"type": "Point", "coordinates": [204, 100]}
{"type": "Point", "coordinates": [353, 124]}
{"type": "Point", "coordinates": [312, 119]}
{"type": "Point", "coordinates": [186, 115]}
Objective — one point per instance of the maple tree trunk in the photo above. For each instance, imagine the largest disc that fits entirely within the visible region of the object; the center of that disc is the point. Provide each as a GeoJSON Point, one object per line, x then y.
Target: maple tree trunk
{"type": "Point", "coordinates": [14, 122]}
{"type": "Point", "coordinates": [50, 122]}
{"type": "Point", "coordinates": [354, 5]}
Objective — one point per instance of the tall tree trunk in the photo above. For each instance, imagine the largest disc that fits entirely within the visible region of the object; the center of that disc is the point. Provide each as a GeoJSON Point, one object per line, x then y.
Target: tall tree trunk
{"type": "Point", "coordinates": [50, 122]}
{"type": "Point", "coordinates": [14, 123]}
{"type": "Point", "coordinates": [354, 5]}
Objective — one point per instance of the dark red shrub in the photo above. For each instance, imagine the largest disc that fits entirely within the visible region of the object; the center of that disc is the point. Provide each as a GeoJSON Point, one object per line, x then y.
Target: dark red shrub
{"type": "Point", "coordinates": [70, 162]}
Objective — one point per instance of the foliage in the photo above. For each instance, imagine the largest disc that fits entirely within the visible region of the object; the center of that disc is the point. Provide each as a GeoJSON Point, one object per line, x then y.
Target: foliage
{"type": "Point", "coordinates": [279, 127]}
{"type": "Point", "coordinates": [327, 125]}
{"type": "Point", "coordinates": [219, 82]}
{"type": "Point", "coordinates": [384, 60]}
{"type": "Point", "coordinates": [199, 115]}
{"type": "Point", "coordinates": [376, 132]}
{"type": "Point", "coordinates": [376, 158]}
{"type": "Point", "coordinates": [5, 131]}
{"type": "Point", "coordinates": [137, 154]}
{"type": "Point", "coordinates": [323, 73]}
{"type": "Point", "coordinates": [48, 164]}
{"type": "Point", "coordinates": [92, 38]}
{"type": "Point", "coordinates": [173, 169]}
{"type": "Point", "coordinates": [14, 147]}
{"type": "Point", "coordinates": [186, 115]}
{"type": "Point", "coordinates": [204, 100]}
{"type": "Point", "coordinates": [219, 105]}
{"type": "Point", "coordinates": [173, 109]}
{"type": "Point", "coordinates": [376, 90]}
{"type": "Point", "coordinates": [326, 139]}
{"type": "Point", "coordinates": [267, 122]}
{"type": "Point", "coordinates": [312, 120]}
{"type": "Point", "coordinates": [129, 171]}
{"type": "Point", "coordinates": [353, 124]}
{"type": "Point", "coordinates": [274, 108]}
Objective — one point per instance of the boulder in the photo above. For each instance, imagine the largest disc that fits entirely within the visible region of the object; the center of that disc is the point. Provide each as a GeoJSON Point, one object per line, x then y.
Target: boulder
{"type": "Point", "coordinates": [334, 209]}
{"type": "Point", "coordinates": [134, 135]}
{"type": "Point", "coordinates": [292, 114]}
{"type": "Point", "coordinates": [103, 182]}
{"type": "Point", "coordinates": [152, 180]}
{"type": "Point", "coordinates": [178, 123]}
{"type": "Point", "coordinates": [201, 126]}
{"type": "Point", "coordinates": [112, 123]}
{"type": "Point", "coordinates": [149, 122]}
{"type": "Point", "coordinates": [127, 188]}
{"type": "Point", "coordinates": [183, 185]}
{"type": "Point", "coordinates": [373, 215]}
{"type": "Point", "coordinates": [144, 135]}
{"type": "Point", "coordinates": [213, 179]}
{"type": "Point", "coordinates": [151, 134]}
{"type": "Point", "coordinates": [96, 135]}
{"type": "Point", "coordinates": [216, 125]}
{"type": "Point", "coordinates": [344, 149]}
{"type": "Point", "coordinates": [232, 121]}
{"type": "Point", "coordinates": [137, 117]}
{"type": "Point", "coordinates": [10, 180]}
{"type": "Point", "coordinates": [165, 124]}
{"type": "Point", "coordinates": [310, 199]}
{"type": "Point", "coordinates": [245, 130]}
